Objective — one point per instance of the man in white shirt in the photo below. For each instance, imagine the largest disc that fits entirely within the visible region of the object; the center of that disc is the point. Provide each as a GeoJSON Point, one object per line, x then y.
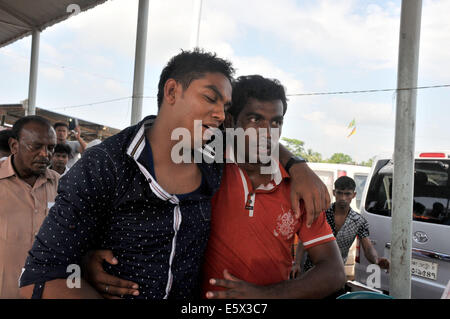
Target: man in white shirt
{"type": "Point", "coordinates": [77, 147]}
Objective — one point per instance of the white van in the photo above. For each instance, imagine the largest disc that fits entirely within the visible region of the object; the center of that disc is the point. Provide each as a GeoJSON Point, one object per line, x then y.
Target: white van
{"type": "Point", "coordinates": [328, 173]}
{"type": "Point", "coordinates": [430, 262]}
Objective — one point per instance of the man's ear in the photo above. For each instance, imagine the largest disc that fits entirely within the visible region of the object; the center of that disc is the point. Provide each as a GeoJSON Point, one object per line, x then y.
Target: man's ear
{"type": "Point", "coordinates": [170, 90]}
{"type": "Point", "coordinates": [13, 145]}
{"type": "Point", "coordinates": [229, 120]}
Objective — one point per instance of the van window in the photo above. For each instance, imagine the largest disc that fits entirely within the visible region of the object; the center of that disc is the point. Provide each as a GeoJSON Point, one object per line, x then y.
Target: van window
{"type": "Point", "coordinates": [431, 191]}
{"type": "Point", "coordinates": [360, 181]}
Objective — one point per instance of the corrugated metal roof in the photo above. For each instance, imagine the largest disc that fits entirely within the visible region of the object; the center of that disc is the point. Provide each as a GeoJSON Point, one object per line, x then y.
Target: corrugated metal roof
{"type": "Point", "coordinates": [18, 18]}
{"type": "Point", "coordinates": [89, 130]}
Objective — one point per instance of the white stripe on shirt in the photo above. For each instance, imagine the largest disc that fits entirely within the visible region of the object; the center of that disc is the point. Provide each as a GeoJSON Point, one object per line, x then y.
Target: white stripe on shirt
{"type": "Point", "coordinates": [317, 239]}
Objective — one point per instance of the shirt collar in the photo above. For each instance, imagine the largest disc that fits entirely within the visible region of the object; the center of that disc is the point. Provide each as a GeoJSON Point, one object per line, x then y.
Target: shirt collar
{"type": "Point", "coordinates": [141, 152]}
{"type": "Point", "coordinates": [7, 170]}
{"type": "Point", "coordinates": [277, 177]}
{"type": "Point", "coordinates": [276, 169]}
{"type": "Point", "coordinates": [351, 214]}
{"type": "Point", "coordinates": [137, 144]}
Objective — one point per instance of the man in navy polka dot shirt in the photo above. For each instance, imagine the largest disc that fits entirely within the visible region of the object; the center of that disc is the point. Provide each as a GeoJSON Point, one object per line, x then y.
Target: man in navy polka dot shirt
{"type": "Point", "coordinates": [127, 195]}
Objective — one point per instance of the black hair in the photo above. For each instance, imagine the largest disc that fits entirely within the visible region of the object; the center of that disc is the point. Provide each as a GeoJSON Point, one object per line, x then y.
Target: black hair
{"type": "Point", "coordinates": [257, 87]}
{"type": "Point", "coordinates": [62, 148]}
{"type": "Point", "coordinates": [4, 140]}
{"type": "Point", "coordinates": [20, 123]}
{"type": "Point", "coordinates": [191, 65]}
{"type": "Point", "coordinates": [60, 124]}
{"type": "Point", "coordinates": [345, 182]}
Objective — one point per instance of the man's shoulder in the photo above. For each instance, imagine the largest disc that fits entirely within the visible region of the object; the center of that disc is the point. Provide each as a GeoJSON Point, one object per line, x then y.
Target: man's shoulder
{"type": "Point", "coordinates": [354, 215]}
{"type": "Point", "coordinates": [52, 175]}
{"type": "Point", "coordinates": [6, 169]}
{"type": "Point", "coordinates": [74, 145]}
{"type": "Point", "coordinates": [72, 142]}
{"type": "Point", "coordinates": [122, 140]}
{"type": "Point", "coordinates": [112, 150]}
{"type": "Point", "coordinates": [357, 218]}
{"type": "Point", "coordinates": [116, 145]}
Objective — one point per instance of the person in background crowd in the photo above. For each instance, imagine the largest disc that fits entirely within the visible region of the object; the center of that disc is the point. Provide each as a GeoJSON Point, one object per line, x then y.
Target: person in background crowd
{"type": "Point", "coordinates": [60, 158]}
{"type": "Point", "coordinates": [4, 144]}
{"type": "Point", "coordinates": [28, 190]}
{"type": "Point", "coordinates": [346, 225]}
{"type": "Point", "coordinates": [77, 147]}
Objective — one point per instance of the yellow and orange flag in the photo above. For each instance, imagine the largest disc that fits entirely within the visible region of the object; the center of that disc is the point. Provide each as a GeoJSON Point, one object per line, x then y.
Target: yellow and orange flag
{"type": "Point", "coordinates": [353, 126]}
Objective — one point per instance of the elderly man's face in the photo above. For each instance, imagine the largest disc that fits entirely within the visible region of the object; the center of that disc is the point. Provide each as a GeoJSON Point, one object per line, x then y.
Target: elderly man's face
{"type": "Point", "coordinates": [34, 149]}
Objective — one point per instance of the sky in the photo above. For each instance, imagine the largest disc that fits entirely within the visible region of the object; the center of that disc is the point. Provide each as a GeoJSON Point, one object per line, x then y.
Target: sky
{"type": "Point", "coordinates": [310, 46]}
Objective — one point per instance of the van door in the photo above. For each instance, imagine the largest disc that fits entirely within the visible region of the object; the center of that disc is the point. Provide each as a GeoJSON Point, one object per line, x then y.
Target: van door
{"type": "Point", "coordinates": [430, 263]}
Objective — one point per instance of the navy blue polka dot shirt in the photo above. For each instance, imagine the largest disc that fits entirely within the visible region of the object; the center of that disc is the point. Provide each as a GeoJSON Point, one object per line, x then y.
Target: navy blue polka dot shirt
{"type": "Point", "coordinates": [110, 199]}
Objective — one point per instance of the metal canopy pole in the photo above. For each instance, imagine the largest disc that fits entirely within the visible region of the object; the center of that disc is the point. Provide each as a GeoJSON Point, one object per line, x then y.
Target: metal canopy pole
{"type": "Point", "coordinates": [405, 127]}
{"type": "Point", "coordinates": [139, 62]}
{"type": "Point", "coordinates": [33, 72]}
{"type": "Point", "coordinates": [196, 18]}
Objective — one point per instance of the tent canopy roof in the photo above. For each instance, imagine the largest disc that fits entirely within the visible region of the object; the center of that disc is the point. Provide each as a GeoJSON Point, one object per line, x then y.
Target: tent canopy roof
{"type": "Point", "coordinates": [18, 18]}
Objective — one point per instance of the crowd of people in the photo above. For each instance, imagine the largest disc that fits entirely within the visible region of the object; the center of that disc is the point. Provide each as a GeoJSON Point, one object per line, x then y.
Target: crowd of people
{"type": "Point", "coordinates": [142, 226]}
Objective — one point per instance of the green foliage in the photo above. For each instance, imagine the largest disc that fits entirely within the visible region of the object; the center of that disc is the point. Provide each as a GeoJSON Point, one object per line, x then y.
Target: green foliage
{"type": "Point", "coordinates": [297, 147]}
{"type": "Point", "coordinates": [313, 157]}
{"type": "Point", "coordinates": [294, 145]}
{"type": "Point", "coordinates": [340, 158]}
{"type": "Point", "coordinates": [368, 163]}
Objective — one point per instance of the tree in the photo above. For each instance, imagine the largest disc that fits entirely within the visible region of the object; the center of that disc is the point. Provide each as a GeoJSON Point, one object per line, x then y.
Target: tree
{"type": "Point", "coordinates": [294, 145]}
{"type": "Point", "coordinates": [297, 148]}
{"type": "Point", "coordinates": [313, 157]}
{"type": "Point", "coordinates": [368, 163]}
{"type": "Point", "coordinates": [340, 158]}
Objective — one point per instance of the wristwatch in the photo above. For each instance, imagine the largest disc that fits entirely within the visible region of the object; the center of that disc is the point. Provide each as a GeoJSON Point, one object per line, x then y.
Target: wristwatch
{"type": "Point", "coordinates": [294, 160]}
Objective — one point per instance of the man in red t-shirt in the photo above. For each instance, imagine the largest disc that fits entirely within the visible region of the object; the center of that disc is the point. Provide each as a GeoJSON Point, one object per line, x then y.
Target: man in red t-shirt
{"type": "Point", "coordinates": [252, 222]}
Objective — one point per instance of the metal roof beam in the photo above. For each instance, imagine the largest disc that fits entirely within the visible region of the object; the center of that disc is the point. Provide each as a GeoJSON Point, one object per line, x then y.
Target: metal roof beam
{"type": "Point", "coordinates": [14, 13]}
{"type": "Point", "coordinates": [27, 28]}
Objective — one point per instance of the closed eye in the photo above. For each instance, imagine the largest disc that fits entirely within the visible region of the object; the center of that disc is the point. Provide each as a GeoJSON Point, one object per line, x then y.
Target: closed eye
{"type": "Point", "coordinates": [210, 99]}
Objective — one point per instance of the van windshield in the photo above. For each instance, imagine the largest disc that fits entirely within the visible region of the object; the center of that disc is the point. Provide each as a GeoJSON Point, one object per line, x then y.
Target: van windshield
{"type": "Point", "coordinates": [431, 191]}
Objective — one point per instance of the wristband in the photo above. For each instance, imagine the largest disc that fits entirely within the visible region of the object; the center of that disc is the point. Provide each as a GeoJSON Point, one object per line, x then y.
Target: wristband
{"type": "Point", "coordinates": [294, 160]}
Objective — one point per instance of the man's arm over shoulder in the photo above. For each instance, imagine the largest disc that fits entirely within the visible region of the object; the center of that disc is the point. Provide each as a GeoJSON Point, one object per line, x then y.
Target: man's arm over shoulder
{"type": "Point", "coordinates": [325, 278]}
{"type": "Point", "coordinates": [69, 230]}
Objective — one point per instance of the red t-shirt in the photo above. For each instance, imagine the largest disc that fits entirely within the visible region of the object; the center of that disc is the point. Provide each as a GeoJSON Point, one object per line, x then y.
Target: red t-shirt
{"type": "Point", "coordinates": [252, 230]}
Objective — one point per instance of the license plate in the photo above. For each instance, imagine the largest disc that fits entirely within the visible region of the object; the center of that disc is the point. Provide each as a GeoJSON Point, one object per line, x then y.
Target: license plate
{"type": "Point", "coordinates": [424, 269]}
